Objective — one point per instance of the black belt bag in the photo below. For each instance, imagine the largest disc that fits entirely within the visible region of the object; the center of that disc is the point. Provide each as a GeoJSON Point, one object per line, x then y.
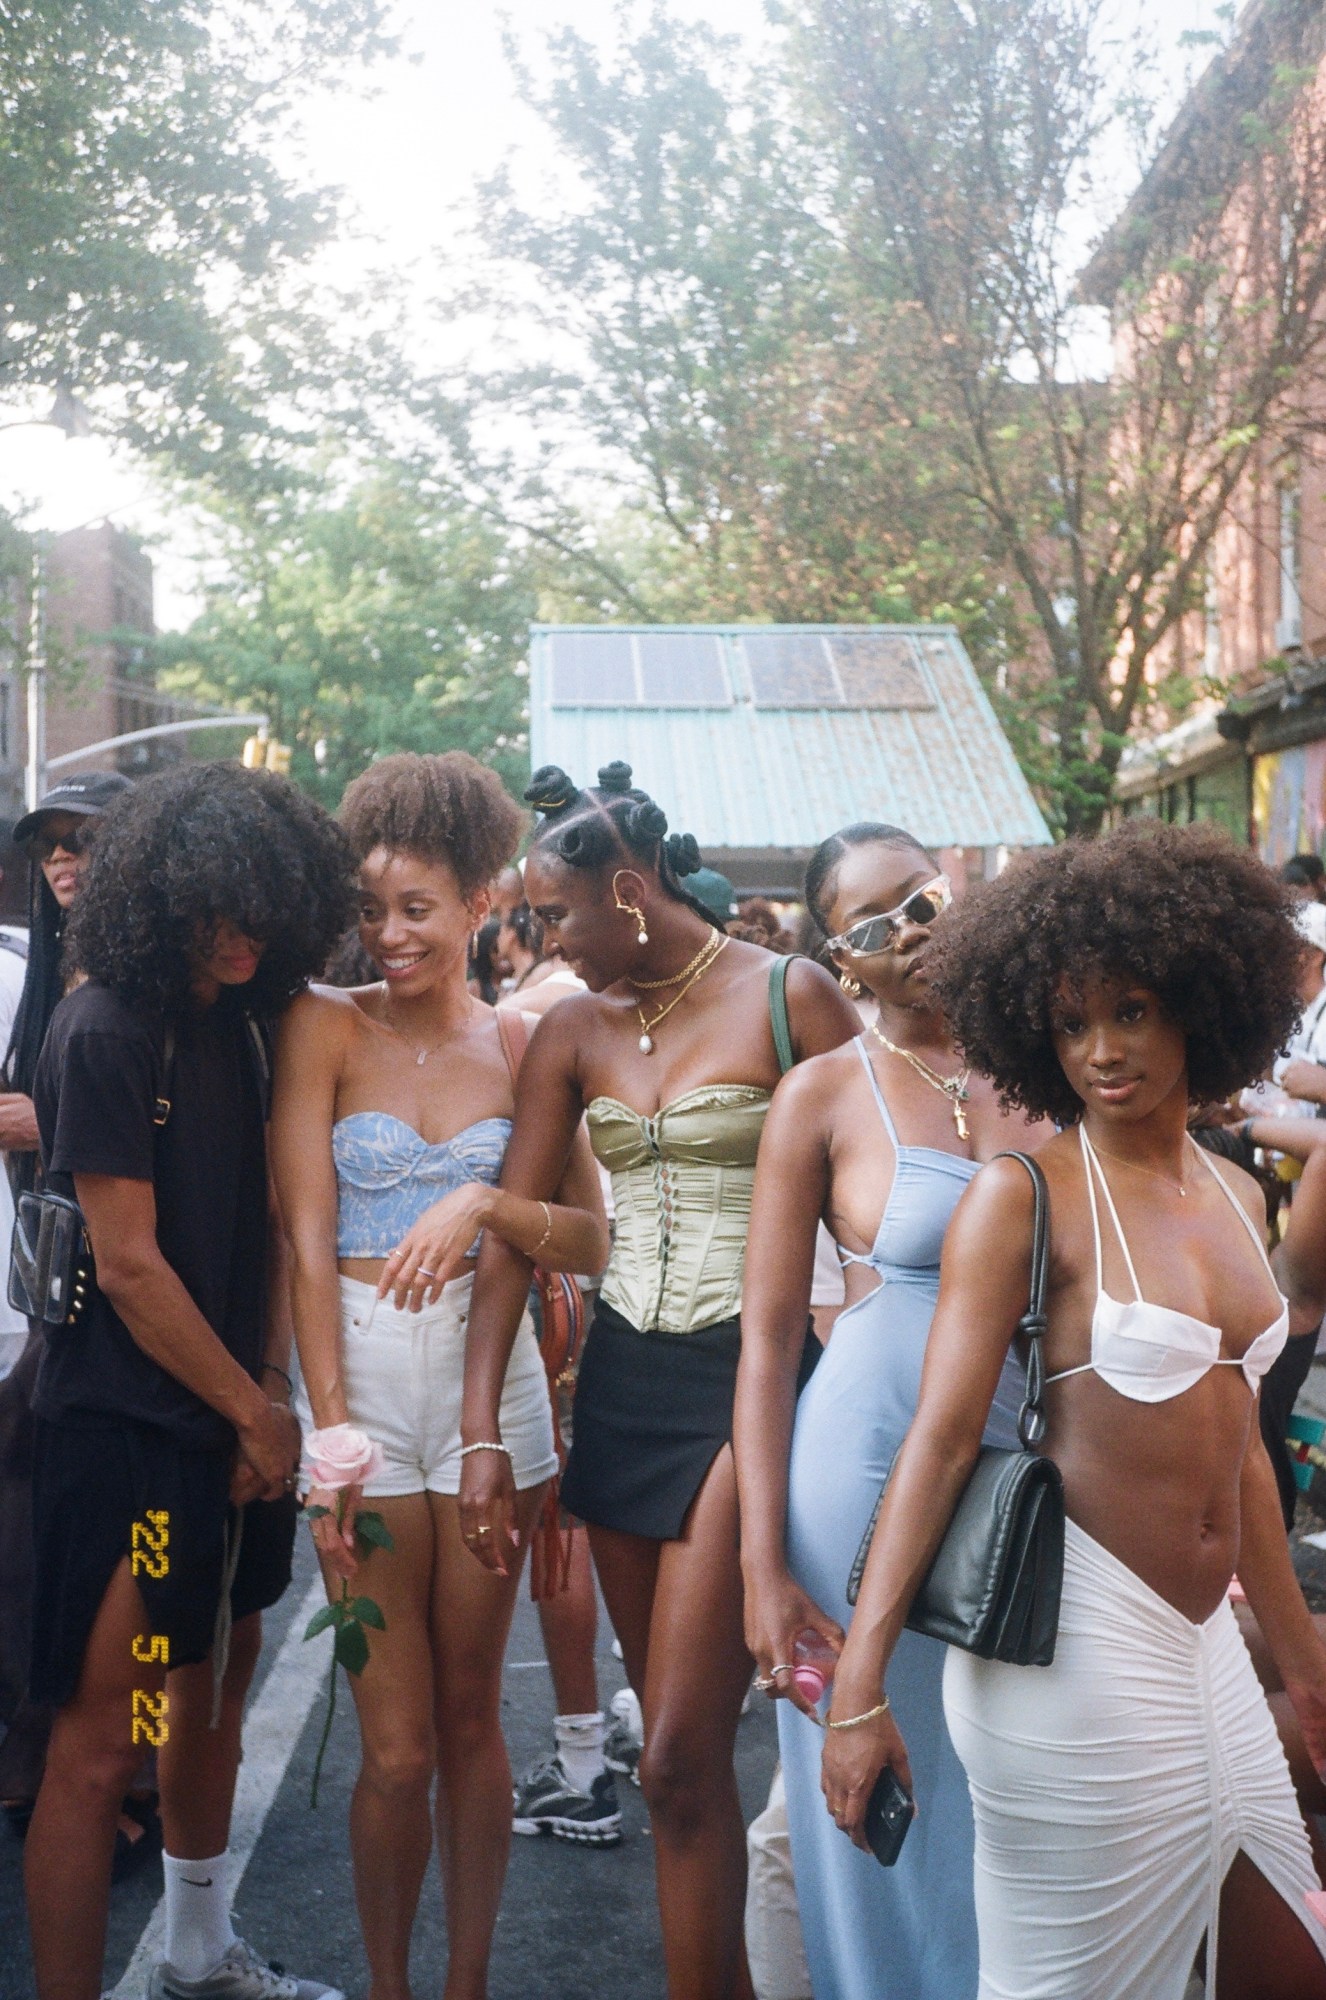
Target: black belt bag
{"type": "Point", "coordinates": [50, 1261]}
{"type": "Point", "coordinates": [994, 1585]}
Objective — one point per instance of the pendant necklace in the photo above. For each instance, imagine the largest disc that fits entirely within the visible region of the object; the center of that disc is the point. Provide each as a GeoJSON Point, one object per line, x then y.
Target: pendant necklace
{"type": "Point", "coordinates": [702, 961]}
{"type": "Point", "coordinates": [1180, 1187]}
{"type": "Point", "coordinates": [954, 1088]}
{"type": "Point", "coordinates": [420, 1055]}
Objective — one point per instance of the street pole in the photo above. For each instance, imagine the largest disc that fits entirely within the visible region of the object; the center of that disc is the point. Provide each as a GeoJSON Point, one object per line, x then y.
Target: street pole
{"type": "Point", "coordinates": [34, 777]}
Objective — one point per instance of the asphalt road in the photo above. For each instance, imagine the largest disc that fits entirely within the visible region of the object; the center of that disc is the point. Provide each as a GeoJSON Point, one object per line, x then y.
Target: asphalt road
{"type": "Point", "coordinates": [575, 1921]}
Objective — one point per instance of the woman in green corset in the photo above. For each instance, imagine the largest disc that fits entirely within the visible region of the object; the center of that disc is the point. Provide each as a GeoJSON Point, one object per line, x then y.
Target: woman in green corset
{"type": "Point", "coordinates": [671, 1056]}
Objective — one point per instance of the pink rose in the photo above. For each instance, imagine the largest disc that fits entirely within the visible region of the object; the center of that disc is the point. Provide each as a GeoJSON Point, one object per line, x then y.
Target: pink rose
{"type": "Point", "coordinates": [342, 1456]}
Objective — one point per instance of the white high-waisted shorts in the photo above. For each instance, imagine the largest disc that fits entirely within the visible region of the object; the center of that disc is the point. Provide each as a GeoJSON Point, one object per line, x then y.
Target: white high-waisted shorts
{"type": "Point", "coordinates": [1113, 1789]}
{"type": "Point", "coordinates": [403, 1374]}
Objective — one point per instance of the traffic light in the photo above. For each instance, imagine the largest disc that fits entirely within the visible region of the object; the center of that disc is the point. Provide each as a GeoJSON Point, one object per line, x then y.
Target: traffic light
{"type": "Point", "coordinates": [265, 753]}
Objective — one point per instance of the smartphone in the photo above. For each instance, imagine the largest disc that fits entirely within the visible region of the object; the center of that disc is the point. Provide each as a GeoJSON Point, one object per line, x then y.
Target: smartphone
{"type": "Point", "coordinates": [889, 1813]}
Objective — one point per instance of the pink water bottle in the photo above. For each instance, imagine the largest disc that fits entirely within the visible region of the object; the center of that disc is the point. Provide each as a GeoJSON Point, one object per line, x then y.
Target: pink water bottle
{"type": "Point", "coordinates": [814, 1662]}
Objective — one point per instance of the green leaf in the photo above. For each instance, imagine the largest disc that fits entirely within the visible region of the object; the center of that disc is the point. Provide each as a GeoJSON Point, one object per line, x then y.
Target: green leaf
{"type": "Point", "coordinates": [352, 1648]}
{"type": "Point", "coordinates": [321, 1620]}
{"type": "Point", "coordinates": [368, 1613]}
{"type": "Point", "coordinates": [372, 1532]}
{"type": "Point", "coordinates": [316, 1513]}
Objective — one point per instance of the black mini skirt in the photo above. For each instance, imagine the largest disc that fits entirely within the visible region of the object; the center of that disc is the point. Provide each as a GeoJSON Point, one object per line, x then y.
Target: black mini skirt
{"type": "Point", "coordinates": [652, 1413]}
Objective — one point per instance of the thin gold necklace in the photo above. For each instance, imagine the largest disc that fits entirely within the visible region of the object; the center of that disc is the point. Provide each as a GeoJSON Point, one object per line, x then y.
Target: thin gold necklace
{"type": "Point", "coordinates": [420, 1055]}
{"type": "Point", "coordinates": [1137, 1168]}
{"type": "Point", "coordinates": [714, 949]}
{"type": "Point", "coordinates": [706, 950]}
{"type": "Point", "coordinates": [954, 1088]}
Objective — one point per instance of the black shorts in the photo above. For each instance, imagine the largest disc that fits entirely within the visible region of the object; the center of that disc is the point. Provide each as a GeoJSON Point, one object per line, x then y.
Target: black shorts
{"type": "Point", "coordinates": [101, 1495]}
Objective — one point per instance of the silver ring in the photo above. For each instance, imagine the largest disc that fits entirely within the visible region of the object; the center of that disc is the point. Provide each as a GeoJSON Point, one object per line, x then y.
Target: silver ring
{"type": "Point", "coordinates": [763, 1684]}
{"type": "Point", "coordinates": [483, 1531]}
{"type": "Point", "coordinates": [421, 1273]}
{"type": "Point", "coordinates": [784, 1667]}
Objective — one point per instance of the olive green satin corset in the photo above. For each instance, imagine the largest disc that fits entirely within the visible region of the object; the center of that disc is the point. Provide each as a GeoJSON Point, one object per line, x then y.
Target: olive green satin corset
{"type": "Point", "coordinates": [681, 1184]}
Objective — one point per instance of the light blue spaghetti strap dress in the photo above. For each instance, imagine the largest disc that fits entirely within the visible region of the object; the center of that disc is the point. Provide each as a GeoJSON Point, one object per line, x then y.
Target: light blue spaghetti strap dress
{"type": "Point", "coordinates": [906, 1932]}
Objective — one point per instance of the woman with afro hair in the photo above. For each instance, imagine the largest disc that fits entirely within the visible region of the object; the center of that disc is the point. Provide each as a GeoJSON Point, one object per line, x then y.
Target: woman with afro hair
{"type": "Point", "coordinates": [671, 1057]}
{"type": "Point", "coordinates": [1132, 1798]}
{"type": "Point", "coordinates": [393, 1109]}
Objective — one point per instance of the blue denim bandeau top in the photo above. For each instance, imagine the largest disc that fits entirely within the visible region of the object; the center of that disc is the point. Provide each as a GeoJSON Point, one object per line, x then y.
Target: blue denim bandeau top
{"type": "Point", "coordinates": [386, 1175]}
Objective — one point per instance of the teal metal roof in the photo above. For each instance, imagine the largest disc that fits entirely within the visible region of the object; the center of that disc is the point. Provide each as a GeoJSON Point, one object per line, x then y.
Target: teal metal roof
{"type": "Point", "coordinates": [765, 760]}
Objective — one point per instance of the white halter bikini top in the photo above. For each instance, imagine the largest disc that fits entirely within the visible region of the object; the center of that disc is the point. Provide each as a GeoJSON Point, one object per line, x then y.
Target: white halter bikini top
{"type": "Point", "coordinates": [1150, 1353]}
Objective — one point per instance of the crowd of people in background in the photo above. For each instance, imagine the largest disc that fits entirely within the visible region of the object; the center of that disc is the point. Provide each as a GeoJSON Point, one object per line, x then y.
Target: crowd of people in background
{"type": "Point", "coordinates": [345, 1128]}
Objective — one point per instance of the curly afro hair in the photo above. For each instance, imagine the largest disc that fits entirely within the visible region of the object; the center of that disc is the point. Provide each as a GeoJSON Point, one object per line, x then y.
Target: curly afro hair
{"type": "Point", "coordinates": [1181, 910]}
{"type": "Point", "coordinates": [614, 825]}
{"type": "Point", "coordinates": [199, 845]}
{"type": "Point", "coordinates": [448, 808]}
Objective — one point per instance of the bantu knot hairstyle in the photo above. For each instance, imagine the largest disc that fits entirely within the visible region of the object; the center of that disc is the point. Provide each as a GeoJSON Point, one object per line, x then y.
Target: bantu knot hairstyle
{"type": "Point", "coordinates": [614, 825]}
{"type": "Point", "coordinates": [822, 872]}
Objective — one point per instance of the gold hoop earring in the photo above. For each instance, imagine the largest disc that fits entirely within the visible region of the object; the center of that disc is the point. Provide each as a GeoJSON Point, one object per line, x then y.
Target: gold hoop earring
{"type": "Point", "coordinates": [632, 910]}
{"type": "Point", "coordinates": [851, 987]}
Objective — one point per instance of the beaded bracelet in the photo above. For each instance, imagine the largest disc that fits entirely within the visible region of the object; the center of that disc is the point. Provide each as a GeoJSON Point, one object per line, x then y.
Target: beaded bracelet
{"type": "Point", "coordinates": [855, 1721]}
{"type": "Point", "coordinates": [270, 1366]}
{"type": "Point", "coordinates": [492, 1446]}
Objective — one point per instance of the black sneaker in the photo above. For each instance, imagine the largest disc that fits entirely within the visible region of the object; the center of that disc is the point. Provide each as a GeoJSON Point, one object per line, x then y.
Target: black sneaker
{"type": "Point", "coordinates": [545, 1801]}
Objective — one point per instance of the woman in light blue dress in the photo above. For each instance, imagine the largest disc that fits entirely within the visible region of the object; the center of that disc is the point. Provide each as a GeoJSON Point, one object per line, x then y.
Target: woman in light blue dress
{"type": "Point", "coordinates": [879, 1138]}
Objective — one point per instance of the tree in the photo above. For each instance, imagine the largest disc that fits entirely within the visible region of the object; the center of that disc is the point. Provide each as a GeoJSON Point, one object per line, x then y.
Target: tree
{"type": "Point", "coordinates": [145, 226]}
{"type": "Point", "coordinates": [967, 133]}
{"type": "Point", "coordinates": [386, 617]}
{"type": "Point", "coordinates": [748, 451]}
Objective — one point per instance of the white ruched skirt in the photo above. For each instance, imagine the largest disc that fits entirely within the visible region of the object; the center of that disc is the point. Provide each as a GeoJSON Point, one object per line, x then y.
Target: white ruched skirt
{"type": "Point", "coordinates": [1112, 1790]}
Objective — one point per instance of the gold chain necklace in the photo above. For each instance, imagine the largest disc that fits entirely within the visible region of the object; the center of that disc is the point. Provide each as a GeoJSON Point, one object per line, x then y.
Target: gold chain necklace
{"type": "Point", "coordinates": [954, 1088]}
{"type": "Point", "coordinates": [707, 950]}
{"type": "Point", "coordinates": [420, 1055]}
{"type": "Point", "coordinates": [717, 945]}
{"type": "Point", "coordinates": [1119, 1159]}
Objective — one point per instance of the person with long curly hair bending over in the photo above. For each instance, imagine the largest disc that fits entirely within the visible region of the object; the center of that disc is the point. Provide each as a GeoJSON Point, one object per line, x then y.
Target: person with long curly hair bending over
{"type": "Point", "coordinates": [393, 1109]}
{"type": "Point", "coordinates": [1131, 1800]}
{"type": "Point", "coordinates": [164, 1451]}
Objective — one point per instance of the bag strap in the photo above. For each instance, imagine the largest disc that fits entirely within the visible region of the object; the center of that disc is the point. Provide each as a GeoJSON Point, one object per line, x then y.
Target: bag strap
{"type": "Point", "coordinates": [782, 1027]}
{"type": "Point", "coordinates": [161, 1103]}
{"type": "Point", "coordinates": [1031, 1417]}
{"type": "Point", "coordinates": [514, 1037]}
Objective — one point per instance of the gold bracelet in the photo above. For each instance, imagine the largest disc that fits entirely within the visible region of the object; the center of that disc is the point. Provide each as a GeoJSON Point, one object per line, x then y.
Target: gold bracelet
{"type": "Point", "coordinates": [547, 1216]}
{"type": "Point", "coordinates": [855, 1721]}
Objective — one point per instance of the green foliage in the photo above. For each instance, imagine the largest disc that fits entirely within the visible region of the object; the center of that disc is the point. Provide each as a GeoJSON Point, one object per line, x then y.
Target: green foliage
{"type": "Point", "coordinates": [384, 617]}
{"type": "Point", "coordinates": [145, 226]}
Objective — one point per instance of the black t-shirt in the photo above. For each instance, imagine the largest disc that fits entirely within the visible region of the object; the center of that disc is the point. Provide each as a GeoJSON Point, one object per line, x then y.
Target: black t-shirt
{"type": "Point", "coordinates": [97, 1082]}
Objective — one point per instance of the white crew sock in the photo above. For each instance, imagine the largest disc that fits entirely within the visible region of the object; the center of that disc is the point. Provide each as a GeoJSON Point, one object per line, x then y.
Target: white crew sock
{"type": "Point", "coordinates": [198, 1928]}
{"type": "Point", "coordinates": [579, 1741]}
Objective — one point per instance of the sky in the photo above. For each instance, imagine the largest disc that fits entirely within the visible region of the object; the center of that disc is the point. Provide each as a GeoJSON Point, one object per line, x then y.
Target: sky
{"type": "Point", "coordinates": [406, 158]}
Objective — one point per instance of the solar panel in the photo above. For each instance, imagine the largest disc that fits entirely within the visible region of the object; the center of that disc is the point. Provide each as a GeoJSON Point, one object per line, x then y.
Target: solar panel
{"type": "Point", "coordinates": [682, 670]}
{"type": "Point", "coordinates": [614, 669]}
{"type": "Point", "coordinates": [879, 670]}
{"type": "Point", "coordinates": [592, 670]}
{"type": "Point", "coordinates": [790, 670]}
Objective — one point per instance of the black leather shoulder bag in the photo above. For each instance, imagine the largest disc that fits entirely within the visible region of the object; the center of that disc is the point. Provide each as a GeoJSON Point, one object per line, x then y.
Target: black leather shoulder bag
{"type": "Point", "coordinates": [994, 1585]}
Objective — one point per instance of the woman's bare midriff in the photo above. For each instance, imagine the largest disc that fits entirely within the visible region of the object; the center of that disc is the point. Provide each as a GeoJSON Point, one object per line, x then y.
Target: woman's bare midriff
{"type": "Point", "coordinates": [1158, 1484]}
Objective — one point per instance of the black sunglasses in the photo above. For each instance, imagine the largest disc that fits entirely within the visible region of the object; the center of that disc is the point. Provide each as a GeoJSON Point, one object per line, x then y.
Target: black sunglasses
{"type": "Point", "coordinates": [43, 845]}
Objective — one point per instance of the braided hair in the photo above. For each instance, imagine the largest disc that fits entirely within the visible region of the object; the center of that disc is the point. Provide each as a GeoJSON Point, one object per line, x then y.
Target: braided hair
{"type": "Point", "coordinates": [613, 825]}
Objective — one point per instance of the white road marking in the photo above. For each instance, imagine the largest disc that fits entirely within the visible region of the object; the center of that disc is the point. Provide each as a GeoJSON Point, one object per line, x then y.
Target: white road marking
{"type": "Point", "coordinates": [272, 1730]}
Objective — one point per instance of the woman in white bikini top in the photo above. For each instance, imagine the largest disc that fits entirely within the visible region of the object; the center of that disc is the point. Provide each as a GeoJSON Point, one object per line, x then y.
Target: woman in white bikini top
{"type": "Point", "coordinates": [1131, 1799]}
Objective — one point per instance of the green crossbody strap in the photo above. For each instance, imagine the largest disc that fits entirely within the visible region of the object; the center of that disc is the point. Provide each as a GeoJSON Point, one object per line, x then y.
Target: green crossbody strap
{"type": "Point", "coordinates": [782, 1032]}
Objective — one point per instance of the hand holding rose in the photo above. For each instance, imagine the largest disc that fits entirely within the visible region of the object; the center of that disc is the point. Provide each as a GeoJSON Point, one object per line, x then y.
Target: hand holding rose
{"type": "Point", "coordinates": [339, 1459]}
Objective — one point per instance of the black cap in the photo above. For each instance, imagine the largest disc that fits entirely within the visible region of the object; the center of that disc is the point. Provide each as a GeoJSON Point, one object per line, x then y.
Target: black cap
{"type": "Point", "coordinates": [84, 793]}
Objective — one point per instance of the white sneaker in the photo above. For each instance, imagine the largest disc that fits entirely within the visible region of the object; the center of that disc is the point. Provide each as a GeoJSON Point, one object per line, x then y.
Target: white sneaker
{"type": "Point", "coordinates": [241, 1975]}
